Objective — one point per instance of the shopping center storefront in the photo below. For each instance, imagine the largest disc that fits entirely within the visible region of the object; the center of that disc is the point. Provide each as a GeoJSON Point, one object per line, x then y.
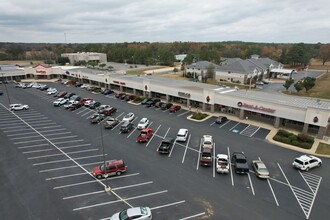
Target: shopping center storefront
{"type": "Point", "coordinates": [307, 115]}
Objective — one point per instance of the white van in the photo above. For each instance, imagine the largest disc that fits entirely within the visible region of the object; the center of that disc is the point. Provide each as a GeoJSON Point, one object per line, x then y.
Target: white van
{"type": "Point", "coordinates": [182, 135]}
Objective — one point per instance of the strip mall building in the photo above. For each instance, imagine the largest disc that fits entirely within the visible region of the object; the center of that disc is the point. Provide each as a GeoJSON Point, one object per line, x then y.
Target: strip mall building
{"type": "Point", "coordinates": [306, 115]}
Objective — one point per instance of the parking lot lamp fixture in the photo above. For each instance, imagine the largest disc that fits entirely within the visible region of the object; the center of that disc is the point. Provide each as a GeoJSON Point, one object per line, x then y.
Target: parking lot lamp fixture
{"type": "Point", "coordinates": [5, 87]}
{"type": "Point", "coordinates": [106, 187]}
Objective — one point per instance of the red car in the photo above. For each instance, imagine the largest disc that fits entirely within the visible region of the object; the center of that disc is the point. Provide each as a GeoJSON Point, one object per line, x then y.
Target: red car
{"type": "Point", "coordinates": [109, 111]}
{"type": "Point", "coordinates": [175, 108]}
{"type": "Point", "coordinates": [82, 102]}
{"type": "Point", "coordinates": [119, 95]}
{"type": "Point", "coordinates": [113, 167]}
{"type": "Point", "coordinates": [144, 135]}
{"type": "Point", "coordinates": [61, 94]}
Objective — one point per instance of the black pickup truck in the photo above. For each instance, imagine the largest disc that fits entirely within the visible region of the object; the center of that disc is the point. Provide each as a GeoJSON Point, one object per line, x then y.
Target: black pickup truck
{"type": "Point", "coordinates": [240, 163]}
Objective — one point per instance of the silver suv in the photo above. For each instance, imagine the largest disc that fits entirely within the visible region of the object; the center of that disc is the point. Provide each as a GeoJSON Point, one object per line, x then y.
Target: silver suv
{"type": "Point", "coordinates": [306, 162]}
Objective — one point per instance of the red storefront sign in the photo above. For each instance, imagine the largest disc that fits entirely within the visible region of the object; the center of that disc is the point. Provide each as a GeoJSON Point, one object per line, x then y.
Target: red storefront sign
{"type": "Point", "coordinates": [41, 71]}
{"type": "Point", "coordinates": [255, 107]}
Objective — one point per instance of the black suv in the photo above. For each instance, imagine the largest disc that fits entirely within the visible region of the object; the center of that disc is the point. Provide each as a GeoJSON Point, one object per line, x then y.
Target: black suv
{"type": "Point", "coordinates": [126, 127]}
{"type": "Point", "coordinates": [152, 102]}
{"type": "Point", "coordinates": [240, 163]}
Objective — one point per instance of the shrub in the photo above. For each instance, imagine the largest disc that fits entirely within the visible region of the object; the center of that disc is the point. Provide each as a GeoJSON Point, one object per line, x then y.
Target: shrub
{"type": "Point", "coordinates": [306, 145]}
{"type": "Point", "coordinates": [305, 138]}
{"type": "Point", "coordinates": [286, 140]}
{"type": "Point", "coordinates": [277, 138]}
{"type": "Point", "coordinates": [293, 137]}
{"type": "Point", "coordinates": [199, 116]}
{"type": "Point", "coordinates": [284, 133]}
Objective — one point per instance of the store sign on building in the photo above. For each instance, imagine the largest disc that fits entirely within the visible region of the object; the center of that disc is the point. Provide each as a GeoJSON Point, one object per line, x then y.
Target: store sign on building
{"type": "Point", "coordinates": [120, 83]}
{"type": "Point", "coordinates": [255, 107]}
{"type": "Point", "coordinates": [184, 94]}
{"type": "Point", "coordinates": [41, 71]}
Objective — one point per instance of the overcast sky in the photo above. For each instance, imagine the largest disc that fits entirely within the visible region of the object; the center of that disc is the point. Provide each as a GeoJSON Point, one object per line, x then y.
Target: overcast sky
{"type": "Point", "coordinates": [108, 21]}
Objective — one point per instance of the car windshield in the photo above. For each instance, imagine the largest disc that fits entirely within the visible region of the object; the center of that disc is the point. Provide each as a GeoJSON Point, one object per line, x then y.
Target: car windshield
{"type": "Point", "coordinates": [101, 167]}
{"type": "Point", "coordinates": [143, 134]}
{"type": "Point", "coordinates": [222, 162]}
{"type": "Point", "coordinates": [263, 170]}
{"type": "Point", "coordinates": [240, 160]}
{"type": "Point", "coordinates": [298, 161]}
{"type": "Point", "coordinates": [123, 215]}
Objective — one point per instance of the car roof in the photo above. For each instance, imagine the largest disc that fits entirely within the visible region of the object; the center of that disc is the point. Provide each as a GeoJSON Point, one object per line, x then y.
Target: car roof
{"type": "Point", "coordinates": [135, 211]}
{"type": "Point", "coordinates": [305, 157]}
{"type": "Point", "coordinates": [222, 156]}
{"type": "Point", "coordinates": [182, 130]}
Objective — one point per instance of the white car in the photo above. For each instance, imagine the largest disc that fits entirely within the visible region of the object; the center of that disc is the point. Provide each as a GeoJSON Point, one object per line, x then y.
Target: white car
{"type": "Point", "coordinates": [182, 135]}
{"type": "Point", "coordinates": [144, 122]}
{"type": "Point", "coordinates": [89, 102]}
{"type": "Point", "coordinates": [60, 101]}
{"type": "Point", "coordinates": [306, 162]}
{"type": "Point", "coordinates": [222, 163]}
{"type": "Point", "coordinates": [16, 107]}
{"type": "Point", "coordinates": [136, 213]}
{"type": "Point", "coordinates": [207, 141]}
{"type": "Point", "coordinates": [69, 104]}
{"type": "Point", "coordinates": [51, 91]}
{"type": "Point", "coordinates": [129, 117]}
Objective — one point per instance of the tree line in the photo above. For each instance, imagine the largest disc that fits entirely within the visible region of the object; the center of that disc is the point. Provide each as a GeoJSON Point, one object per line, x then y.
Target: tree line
{"type": "Point", "coordinates": [164, 53]}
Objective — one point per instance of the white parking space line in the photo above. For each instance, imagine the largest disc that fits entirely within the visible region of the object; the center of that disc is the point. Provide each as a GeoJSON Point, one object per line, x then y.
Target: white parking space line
{"type": "Point", "coordinates": [69, 153]}
{"type": "Point", "coordinates": [12, 123]}
{"type": "Point", "coordinates": [16, 130]}
{"type": "Point", "coordinates": [90, 111]}
{"type": "Point", "coordinates": [18, 138]}
{"type": "Point", "coordinates": [133, 185]}
{"type": "Point", "coordinates": [296, 191]}
{"type": "Point", "coordinates": [74, 146]}
{"type": "Point", "coordinates": [43, 124]}
{"type": "Point", "coordinates": [193, 216]}
{"type": "Point", "coordinates": [24, 142]}
{"type": "Point", "coordinates": [58, 138]}
{"type": "Point", "coordinates": [199, 153]}
{"type": "Point", "coordinates": [61, 133]}
{"type": "Point", "coordinates": [231, 170]}
{"type": "Point", "coordinates": [169, 155]}
{"type": "Point", "coordinates": [66, 176]}
{"type": "Point", "coordinates": [166, 132]}
{"type": "Point", "coordinates": [167, 205]}
{"type": "Point", "coordinates": [36, 118]}
{"type": "Point", "coordinates": [37, 151]}
{"type": "Point", "coordinates": [234, 126]}
{"type": "Point", "coordinates": [183, 113]}
{"type": "Point", "coordinates": [53, 126]}
{"type": "Point", "coordinates": [271, 189]}
{"type": "Point", "coordinates": [82, 110]}
{"type": "Point", "coordinates": [85, 194]}
{"type": "Point", "coordinates": [64, 142]}
{"type": "Point", "coordinates": [65, 160]}
{"type": "Point", "coordinates": [60, 129]}
{"type": "Point", "coordinates": [212, 123]}
{"type": "Point", "coordinates": [214, 161]}
{"type": "Point", "coordinates": [39, 121]}
{"type": "Point", "coordinates": [115, 201]}
{"type": "Point", "coordinates": [131, 132]}
{"type": "Point", "coordinates": [251, 184]}
{"type": "Point", "coordinates": [20, 134]}
{"type": "Point", "coordinates": [13, 127]}
{"type": "Point", "coordinates": [224, 124]}
{"type": "Point", "coordinates": [32, 146]}
{"type": "Point", "coordinates": [69, 167]}
{"type": "Point", "coordinates": [93, 181]}
{"type": "Point", "coordinates": [186, 148]}
{"type": "Point", "coordinates": [154, 134]}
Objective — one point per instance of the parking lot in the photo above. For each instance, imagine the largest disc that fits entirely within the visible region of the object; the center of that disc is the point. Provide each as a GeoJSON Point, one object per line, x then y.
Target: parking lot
{"type": "Point", "coordinates": [59, 148]}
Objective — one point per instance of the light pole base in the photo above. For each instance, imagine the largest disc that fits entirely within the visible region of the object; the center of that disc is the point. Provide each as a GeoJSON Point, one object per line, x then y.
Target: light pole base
{"type": "Point", "coordinates": [107, 189]}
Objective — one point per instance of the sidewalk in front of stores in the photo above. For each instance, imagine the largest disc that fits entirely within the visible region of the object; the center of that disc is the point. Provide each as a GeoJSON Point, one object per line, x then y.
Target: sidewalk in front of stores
{"type": "Point", "coordinates": [272, 133]}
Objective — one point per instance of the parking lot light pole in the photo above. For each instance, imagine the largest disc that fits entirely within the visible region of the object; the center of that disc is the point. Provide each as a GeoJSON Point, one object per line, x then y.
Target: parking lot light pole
{"type": "Point", "coordinates": [106, 187]}
{"type": "Point", "coordinates": [5, 88]}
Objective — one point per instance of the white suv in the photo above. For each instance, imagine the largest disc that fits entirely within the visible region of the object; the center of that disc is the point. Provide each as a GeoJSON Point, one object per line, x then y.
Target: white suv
{"type": "Point", "coordinates": [182, 135]}
{"type": "Point", "coordinates": [306, 162]}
